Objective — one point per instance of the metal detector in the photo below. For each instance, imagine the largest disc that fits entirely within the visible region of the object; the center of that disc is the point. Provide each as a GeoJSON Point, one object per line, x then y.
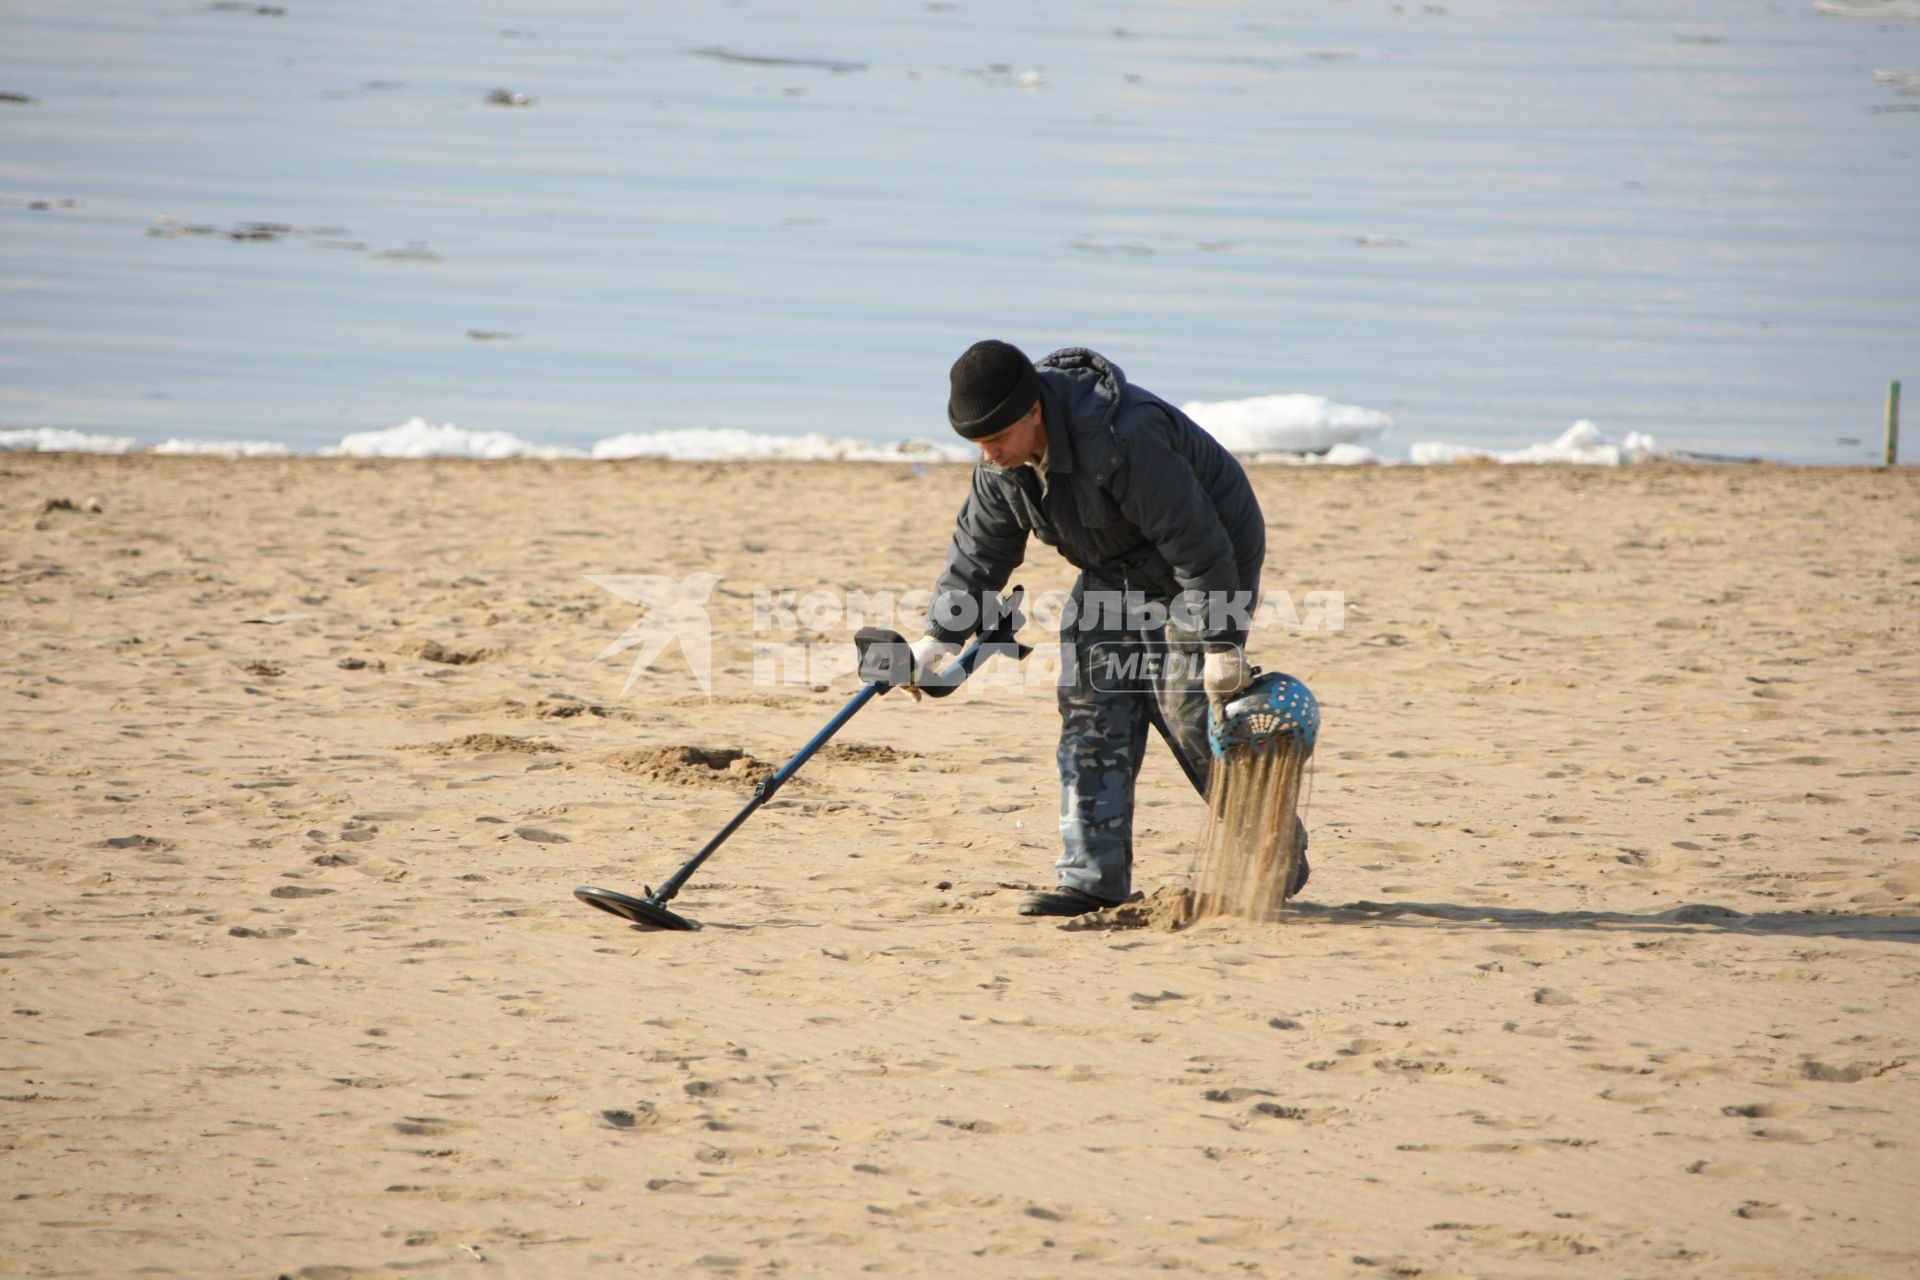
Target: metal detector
{"type": "Point", "coordinates": [886, 662]}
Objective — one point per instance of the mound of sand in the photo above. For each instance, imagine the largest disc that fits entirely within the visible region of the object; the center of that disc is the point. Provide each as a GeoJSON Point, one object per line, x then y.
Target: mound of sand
{"type": "Point", "coordinates": [485, 742]}
{"type": "Point", "coordinates": [690, 766]}
{"type": "Point", "coordinates": [556, 708]}
{"type": "Point", "coordinates": [863, 753]}
{"type": "Point", "coordinates": [1167, 908]}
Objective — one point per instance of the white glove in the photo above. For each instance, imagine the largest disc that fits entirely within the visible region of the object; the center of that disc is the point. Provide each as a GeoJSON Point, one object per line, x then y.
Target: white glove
{"type": "Point", "coordinates": [1224, 675]}
{"type": "Point", "coordinates": [930, 653]}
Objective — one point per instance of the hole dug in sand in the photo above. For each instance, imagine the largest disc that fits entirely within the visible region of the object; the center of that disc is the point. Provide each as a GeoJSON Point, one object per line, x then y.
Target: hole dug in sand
{"type": "Point", "coordinates": [690, 766]}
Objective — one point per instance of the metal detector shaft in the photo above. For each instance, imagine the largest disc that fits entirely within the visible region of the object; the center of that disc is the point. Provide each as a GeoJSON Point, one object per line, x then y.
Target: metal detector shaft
{"type": "Point", "coordinates": [768, 785]}
{"type": "Point", "coordinates": [999, 640]}
{"type": "Point", "coordinates": [886, 662]}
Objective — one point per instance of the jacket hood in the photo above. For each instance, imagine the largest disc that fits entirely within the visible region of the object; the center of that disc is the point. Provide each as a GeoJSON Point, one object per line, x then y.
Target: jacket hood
{"type": "Point", "coordinates": [1089, 386]}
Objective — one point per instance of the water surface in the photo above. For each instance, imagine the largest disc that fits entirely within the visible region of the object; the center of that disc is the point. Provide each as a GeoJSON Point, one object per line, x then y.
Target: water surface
{"type": "Point", "coordinates": [1695, 220]}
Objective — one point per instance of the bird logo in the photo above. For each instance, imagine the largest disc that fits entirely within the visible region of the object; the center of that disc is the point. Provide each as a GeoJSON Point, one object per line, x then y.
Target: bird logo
{"type": "Point", "coordinates": [670, 609]}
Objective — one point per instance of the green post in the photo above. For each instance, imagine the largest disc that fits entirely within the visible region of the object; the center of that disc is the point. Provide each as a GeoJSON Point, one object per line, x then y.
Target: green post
{"type": "Point", "coordinates": [1893, 424]}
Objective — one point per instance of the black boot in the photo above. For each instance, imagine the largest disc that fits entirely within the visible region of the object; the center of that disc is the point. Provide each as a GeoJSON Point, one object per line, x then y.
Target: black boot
{"type": "Point", "coordinates": [1301, 869]}
{"type": "Point", "coordinates": [1063, 901]}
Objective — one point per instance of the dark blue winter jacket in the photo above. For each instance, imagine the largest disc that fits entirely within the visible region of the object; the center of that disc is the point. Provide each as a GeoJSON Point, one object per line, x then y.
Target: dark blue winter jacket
{"type": "Point", "coordinates": [1137, 496]}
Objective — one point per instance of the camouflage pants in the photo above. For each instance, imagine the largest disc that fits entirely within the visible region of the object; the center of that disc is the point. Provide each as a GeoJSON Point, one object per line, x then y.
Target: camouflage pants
{"type": "Point", "coordinates": [1117, 680]}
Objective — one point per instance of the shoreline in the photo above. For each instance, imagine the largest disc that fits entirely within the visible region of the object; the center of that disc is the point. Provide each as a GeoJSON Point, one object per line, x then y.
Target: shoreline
{"type": "Point", "coordinates": [1276, 464]}
{"type": "Point", "coordinates": [1292, 430]}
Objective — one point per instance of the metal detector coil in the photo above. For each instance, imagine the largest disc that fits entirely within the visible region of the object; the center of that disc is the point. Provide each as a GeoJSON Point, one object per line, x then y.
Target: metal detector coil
{"type": "Point", "coordinates": [1274, 709]}
{"type": "Point", "coordinates": [644, 912]}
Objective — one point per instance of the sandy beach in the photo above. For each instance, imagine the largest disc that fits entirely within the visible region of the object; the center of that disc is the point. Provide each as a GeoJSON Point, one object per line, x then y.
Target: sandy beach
{"type": "Point", "coordinates": [1608, 965]}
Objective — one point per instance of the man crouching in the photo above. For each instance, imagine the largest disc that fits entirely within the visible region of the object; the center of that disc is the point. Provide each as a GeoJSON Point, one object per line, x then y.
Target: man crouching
{"type": "Point", "coordinates": [1168, 537]}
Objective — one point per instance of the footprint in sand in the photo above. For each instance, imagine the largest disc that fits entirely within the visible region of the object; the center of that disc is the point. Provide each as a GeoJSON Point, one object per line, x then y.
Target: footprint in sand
{"type": "Point", "coordinates": [1796, 1134]}
{"type": "Point", "coordinates": [1282, 1111]}
{"type": "Point", "coordinates": [970, 1126]}
{"type": "Point", "coordinates": [1851, 1073]}
{"type": "Point", "coordinates": [642, 1115]}
{"type": "Point", "coordinates": [352, 831]}
{"type": "Point", "coordinates": [668, 1184]}
{"type": "Point", "coordinates": [434, 651]}
{"type": "Point", "coordinates": [1765, 1110]}
{"type": "Point", "coordinates": [1727, 1169]}
{"type": "Point", "coordinates": [425, 1127]}
{"type": "Point", "coordinates": [243, 931]}
{"type": "Point", "coordinates": [135, 842]}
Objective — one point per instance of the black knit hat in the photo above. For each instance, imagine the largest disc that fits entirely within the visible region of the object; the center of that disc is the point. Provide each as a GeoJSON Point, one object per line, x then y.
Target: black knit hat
{"type": "Point", "coordinates": [993, 387]}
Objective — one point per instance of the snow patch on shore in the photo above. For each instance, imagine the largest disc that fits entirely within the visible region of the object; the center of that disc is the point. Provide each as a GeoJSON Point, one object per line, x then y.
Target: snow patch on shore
{"type": "Point", "coordinates": [225, 448]}
{"type": "Point", "coordinates": [1581, 443]}
{"type": "Point", "coordinates": [61, 440]}
{"type": "Point", "coordinates": [418, 438]}
{"type": "Point", "coordinates": [1287, 424]}
{"type": "Point", "coordinates": [722, 445]}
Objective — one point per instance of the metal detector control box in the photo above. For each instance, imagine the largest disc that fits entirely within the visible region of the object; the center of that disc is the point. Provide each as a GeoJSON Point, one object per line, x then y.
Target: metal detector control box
{"type": "Point", "coordinates": [886, 659]}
